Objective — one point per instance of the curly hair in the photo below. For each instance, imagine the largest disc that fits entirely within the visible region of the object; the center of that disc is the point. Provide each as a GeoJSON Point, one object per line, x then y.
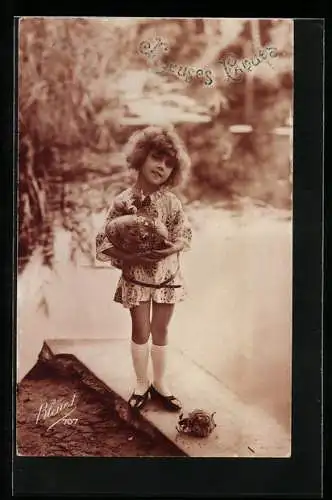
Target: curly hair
{"type": "Point", "coordinates": [163, 140]}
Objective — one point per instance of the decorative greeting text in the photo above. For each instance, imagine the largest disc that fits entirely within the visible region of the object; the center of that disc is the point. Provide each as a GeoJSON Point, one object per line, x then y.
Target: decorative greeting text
{"type": "Point", "coordinates": [154, 49]}
{"type": "Point", "coordinates": [235, 68]}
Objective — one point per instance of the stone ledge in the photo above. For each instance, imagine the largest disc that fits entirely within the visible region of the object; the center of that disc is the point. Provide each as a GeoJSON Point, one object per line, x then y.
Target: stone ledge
{"type": "Point", "coordinates": [68, 365]}
{"type": "Point", "coordinates": [242, 430]}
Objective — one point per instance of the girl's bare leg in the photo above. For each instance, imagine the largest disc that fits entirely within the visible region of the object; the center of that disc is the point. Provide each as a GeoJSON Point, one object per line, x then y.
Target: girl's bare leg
{"type": "Point", "coordinates": [161, 317]}
{"type": "Point", "coordinates": [140, 317]}
{"type": "Point", "coordinates": [140, 322]}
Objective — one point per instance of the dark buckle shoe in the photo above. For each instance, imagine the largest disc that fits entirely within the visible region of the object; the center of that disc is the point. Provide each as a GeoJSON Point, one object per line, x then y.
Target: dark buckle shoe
{"type": "Point", "coordinates": [138, 401]}
{"type": "Point", "coordinates": [170, 403]}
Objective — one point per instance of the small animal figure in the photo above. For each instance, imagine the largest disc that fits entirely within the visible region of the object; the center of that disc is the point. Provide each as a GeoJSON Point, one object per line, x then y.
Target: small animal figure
{"type": "Point", "coordinates": [197, 423]}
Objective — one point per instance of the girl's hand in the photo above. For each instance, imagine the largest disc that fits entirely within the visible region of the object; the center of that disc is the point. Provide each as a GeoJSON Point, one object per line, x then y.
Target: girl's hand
{"type": "Point", "coordinates": [170, 249]}
{"type": "Point", "coordinates": [147, 259]}
{"type": "Point", "coordinates": [134, 259]}
{"type": "Point", "coordinates": [140, 258]}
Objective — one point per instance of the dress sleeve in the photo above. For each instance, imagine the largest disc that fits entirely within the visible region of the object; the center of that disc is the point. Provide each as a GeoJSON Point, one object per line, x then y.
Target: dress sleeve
{"type": "Point", "coordinates": [178, 225]}
{"type": "Point", "coordinates": [102, 242]}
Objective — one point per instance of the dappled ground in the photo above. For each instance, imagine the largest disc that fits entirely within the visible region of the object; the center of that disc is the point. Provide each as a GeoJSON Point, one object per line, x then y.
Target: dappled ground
{"type": "Point", "coordinates": [98, 430]}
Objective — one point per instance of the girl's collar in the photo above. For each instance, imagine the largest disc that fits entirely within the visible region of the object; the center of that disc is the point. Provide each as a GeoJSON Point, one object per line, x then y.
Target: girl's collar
{"type": "Point", "coordinates": [154, 196]}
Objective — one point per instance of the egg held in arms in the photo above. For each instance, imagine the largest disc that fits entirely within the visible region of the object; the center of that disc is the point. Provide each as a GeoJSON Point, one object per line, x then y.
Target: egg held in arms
{"type": "Point", "coordinates": [137, 233]}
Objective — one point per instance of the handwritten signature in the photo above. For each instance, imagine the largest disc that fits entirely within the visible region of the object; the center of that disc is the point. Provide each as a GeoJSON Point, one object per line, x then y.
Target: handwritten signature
{"type": "Point", "coordinates": [153, 50]}
{"type": "Point", "coordinates": [235, 68]}
{"type": "Point", "coordinates": [55, 407]}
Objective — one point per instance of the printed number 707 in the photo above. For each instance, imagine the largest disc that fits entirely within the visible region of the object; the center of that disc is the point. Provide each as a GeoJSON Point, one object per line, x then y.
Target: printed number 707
{"type": "Point", "coordinates": [70, 421]}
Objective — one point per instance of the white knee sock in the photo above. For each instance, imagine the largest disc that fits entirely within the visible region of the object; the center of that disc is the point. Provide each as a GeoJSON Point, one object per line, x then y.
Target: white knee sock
{"type": "Point", "coordinates": [159, 361]}
{"type": "Point", "coordinates": [140, 358]}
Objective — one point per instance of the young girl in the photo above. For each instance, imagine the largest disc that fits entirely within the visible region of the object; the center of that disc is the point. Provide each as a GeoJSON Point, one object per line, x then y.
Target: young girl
{"type": "Point", "coordinates": [151, 283]}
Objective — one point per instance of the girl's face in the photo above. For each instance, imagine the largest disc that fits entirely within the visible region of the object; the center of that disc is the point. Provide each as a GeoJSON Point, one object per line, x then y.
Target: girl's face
{"type": "Point", "coordinates": [157, 168]}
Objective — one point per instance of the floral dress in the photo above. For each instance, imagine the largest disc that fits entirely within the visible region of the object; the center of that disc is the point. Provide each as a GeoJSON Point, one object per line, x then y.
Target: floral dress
{"type": "Point", "coordinates": [167, 207]}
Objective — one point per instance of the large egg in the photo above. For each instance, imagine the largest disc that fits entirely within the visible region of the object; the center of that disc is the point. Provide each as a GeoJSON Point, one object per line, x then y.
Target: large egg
{"type": "Point", "coordinates": [136, 233]}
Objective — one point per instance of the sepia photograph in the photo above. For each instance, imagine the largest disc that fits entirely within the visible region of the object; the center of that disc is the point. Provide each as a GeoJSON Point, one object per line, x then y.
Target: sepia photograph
{"type": "Point", "coordinates": [154, 237]}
